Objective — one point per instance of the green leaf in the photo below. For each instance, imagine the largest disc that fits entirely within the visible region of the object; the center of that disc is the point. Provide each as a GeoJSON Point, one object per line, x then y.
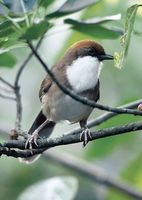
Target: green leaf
{"type": "Point", "coordinates": [93, 21]}
{"type": "Point", "coordinates": [59, 188]}
{"type": "Point", "coordinates": [94, 28]}
{"type": "Point", "coordinates": [71, 6]}
{"type": "Point", "coordinates": [45, 3]}
{"type": "Point", "coordinates": [9, 44]}
{"type": "Point", "coordinates": [97, 31]}
{"type": "Point", "coordinates": [125, 39]}
{"type": "Point", "coordinates": [36, 30]}
{"type": "Point", "coordinates": [5, 24]}
{"type": "Point", "coordinates": [8, 29]}
{"type": "Point", "coordinates": [7, 60]}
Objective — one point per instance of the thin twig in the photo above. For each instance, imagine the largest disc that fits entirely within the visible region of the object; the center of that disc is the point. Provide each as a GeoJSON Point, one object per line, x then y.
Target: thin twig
{"type": "Point", "coordinates": [7, 97]}
{"type": "Point", "coordinates": [92, 172]}
{"type": "Point", "coordinates": [6, 83]}
{"type": "Point", "coordinates": [22, 67]}
{"type": "Point", "coordinates": [78, 97]}
{"type": "Point", "coordinates": [25, 13]}
{"type": "Point", "coordinates": [72, 138]}
{"type": "Point", "coordinates": [17, 89]}
{"type": "Point", "coordinates": [6, 90]}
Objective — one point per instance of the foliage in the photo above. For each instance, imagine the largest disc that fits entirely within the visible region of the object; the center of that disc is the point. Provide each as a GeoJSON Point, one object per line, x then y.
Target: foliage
{"type": "Point", "coordinates": [125, 39]}
{"type": "Point", "coordinates": [18, 28]}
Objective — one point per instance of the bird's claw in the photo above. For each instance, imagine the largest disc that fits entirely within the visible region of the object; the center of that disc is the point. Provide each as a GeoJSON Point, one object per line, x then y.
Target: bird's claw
{"type": "Point", "coordinates": [32, 140]}
{"type": "Point", "coordinates": [85, 136]}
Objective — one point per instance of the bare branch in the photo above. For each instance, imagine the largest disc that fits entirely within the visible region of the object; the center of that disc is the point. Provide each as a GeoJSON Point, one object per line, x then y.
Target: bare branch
{"type": "Point", "coordinates": [22, 67]}
{"type": "Point", "coordinates": [86, 169]}
{"type": "Point", "coordinates": [67, 139]}
{"type": "Point", "coordinates": [7, 97]}
{"type": "Point", "coordinates": [6, 90]}
{"type": "Point", "coordinates": [92, 172]}
{"type": "Point", "coordinates": [17, 89]}
{"type": "Point", "coordinates": [106, 116]}
{"type": "Point", "coordinates": [78, 97]}
{"type": "Point", "coordinates": [6, 83]}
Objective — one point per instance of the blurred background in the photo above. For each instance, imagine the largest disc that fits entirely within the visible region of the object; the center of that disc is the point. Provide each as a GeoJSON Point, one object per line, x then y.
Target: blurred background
{"type": "Point", "coordinates": [120, 155]}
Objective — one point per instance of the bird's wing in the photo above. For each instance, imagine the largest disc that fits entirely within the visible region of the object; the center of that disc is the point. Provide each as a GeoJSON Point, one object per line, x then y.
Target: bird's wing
{"type": "Point", "coordinates": [45, 85]}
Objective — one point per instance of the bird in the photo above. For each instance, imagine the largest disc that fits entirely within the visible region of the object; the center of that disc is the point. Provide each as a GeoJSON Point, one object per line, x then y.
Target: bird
{"type": "Point", "coordinates": [79, 70]}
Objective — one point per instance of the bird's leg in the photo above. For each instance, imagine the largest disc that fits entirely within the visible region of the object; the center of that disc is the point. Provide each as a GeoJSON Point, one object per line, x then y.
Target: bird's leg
{"type": "Point", "coordinates": [33, 137]}
{"type": "Point", "coordinates": [85, 135]}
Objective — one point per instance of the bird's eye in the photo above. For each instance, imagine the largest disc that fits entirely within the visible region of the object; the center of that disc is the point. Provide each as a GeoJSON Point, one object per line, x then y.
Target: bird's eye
{"type": "Point", "coordinates": [91, 51]}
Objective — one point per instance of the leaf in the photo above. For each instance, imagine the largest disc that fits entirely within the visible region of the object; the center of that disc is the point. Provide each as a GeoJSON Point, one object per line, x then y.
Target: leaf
{"type": "Point", "coordinates": [97, 31]}
{"type": "Point", "coordinates": [94, 28]}
{"type": "Point", "coordinates": [119, 57]}
{"type": "Point", "coordinates": [45, 3]}
{"type": "Point", "coordinates": [71, 6]}
{"type": "Point", "coordinates": [8, 29]}
{"type": "Point", "coordinates": [59, 188]}
{"type": "Point", "coordinates": [5, 24]}
{"type": "Point", "coordinates": [36, 30]}
{"type": "Point", "coordinates": [7, 60]}
{"type": "Point", "coordinates": [9, 44]}
{"type": "Point", "coordinates": [93, 21]}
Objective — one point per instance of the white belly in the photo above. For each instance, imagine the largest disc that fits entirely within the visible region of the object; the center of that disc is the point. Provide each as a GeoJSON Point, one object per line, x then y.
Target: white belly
{"type": "Point", "coordinates": [63, 108]}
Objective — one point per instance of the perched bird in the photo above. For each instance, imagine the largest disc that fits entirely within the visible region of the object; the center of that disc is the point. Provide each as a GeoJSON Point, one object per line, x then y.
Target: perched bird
{"type": "Point", "coordinates": [79, 70]}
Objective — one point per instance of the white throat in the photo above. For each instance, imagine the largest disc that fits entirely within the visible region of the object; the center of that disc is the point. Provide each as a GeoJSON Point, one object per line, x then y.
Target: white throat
{"type": "Point", "coordinates": [83, 73]}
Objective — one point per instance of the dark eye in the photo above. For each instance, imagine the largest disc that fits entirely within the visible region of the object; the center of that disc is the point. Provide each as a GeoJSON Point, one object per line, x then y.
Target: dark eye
{"type": "Point", "coordinates": [91, 52]}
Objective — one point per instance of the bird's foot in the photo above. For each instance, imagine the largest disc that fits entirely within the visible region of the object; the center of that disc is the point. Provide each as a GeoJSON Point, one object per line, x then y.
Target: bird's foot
{"type": "Point", "coordinates": [32, 140]}
{"type": "Point", "coordinates": [85, 136]}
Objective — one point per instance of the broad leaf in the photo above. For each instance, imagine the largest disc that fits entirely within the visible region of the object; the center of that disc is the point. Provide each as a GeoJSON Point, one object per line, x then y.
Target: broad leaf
{"type": "Point", "coordinates": [93, 21]}
{"type": "Point", "coordinates": [94, 28]}
{"type": "Point", "coordinates": [7, 60]}
{"type": "Point", "coordinates": [71, 6]}
{"type": "Point", "coordinates": [9, 29]}
{"type": "Point", "coordinates": [125, 39]}
{"type": "Point", "coordinates": [97, 31]}
{"type": "Point", "coordinates": [36, 30]}
{"type": "Point", "coordinates": [6, 28]}
{"type": "Point", "coordinates": [59, 188]}
{"type": "Point", "coordinates": [5, 24]}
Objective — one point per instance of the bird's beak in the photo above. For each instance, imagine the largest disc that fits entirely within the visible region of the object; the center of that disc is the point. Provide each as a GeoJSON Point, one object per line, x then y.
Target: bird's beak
{"type": "Point", "coordinates": [105, 57]}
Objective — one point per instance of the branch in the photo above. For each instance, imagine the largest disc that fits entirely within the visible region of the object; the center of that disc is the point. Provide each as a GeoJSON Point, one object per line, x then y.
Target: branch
{"type": "Point", "coordinates": [80, 98]}
{"type": "Point", "coordinates": [44, 144]}
{"type": "Point", "coordinates": [106, 116]}
{"type": "Point", "coordinates": [86, 169]}
{"type": "Point", "coordinates": [92, 172]}
{"type": "Point", "coordinates": [18, 75]}
{"type": "Point", "coordinates": [17, 89]}
{"type": "Point", "coordinates": [7, 97]}
{"type": "Point", "coordinates": [6, 83]}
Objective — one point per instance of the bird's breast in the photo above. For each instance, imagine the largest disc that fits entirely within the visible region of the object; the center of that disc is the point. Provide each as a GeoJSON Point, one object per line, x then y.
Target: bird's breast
{"type": "Point", "coordinates": [83, 73]}
{"type": "Point", "coordinates": [61, 107]}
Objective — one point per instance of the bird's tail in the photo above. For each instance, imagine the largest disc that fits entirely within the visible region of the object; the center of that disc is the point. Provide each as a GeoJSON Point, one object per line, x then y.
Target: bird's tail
{"type": "Point", "coordinates": [45, 132]}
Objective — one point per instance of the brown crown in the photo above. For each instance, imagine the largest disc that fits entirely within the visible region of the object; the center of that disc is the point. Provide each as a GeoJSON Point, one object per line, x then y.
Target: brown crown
{"type": "Point", "coordinates": [88, 43]}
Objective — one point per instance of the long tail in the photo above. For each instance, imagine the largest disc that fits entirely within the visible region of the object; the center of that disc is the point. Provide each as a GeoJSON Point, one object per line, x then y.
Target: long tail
{"type": "Point", "coordinates": [45, 132]}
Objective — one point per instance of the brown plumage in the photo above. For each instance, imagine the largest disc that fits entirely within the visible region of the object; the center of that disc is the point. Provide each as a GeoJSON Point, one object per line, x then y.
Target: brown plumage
{"type": "Point", "coordinates": [56, 106]}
